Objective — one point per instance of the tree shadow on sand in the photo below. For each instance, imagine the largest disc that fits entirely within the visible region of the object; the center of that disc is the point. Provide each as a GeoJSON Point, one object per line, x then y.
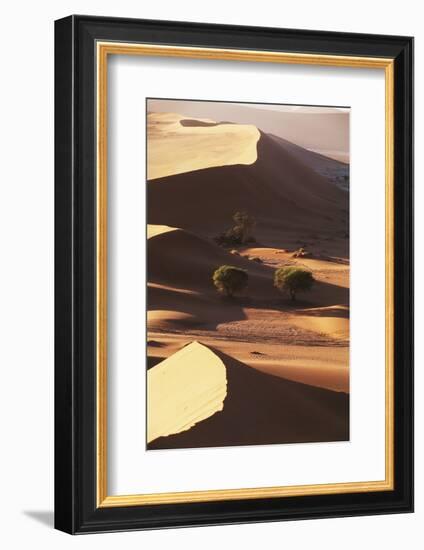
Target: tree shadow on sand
{"type": "Point", "coordinates": [322, 294]}
{"type": "Point", "coordinates": [202, 310]}
{"type": "Point", "coordinates": [208, 310]}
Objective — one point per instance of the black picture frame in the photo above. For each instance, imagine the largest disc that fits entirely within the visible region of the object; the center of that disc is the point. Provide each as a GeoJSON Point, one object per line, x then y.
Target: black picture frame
{"type": "Point", "coordinates": [76, 509]}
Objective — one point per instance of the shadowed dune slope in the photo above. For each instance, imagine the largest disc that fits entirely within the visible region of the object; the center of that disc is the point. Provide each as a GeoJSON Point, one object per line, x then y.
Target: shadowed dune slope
{"type": "Point", "coordinates": [311, 158]}
{"type": "Point", "coordinates": [263, 409]}
{"type": "Point", "coordinates": [279, 189]}
{"type": "Point", "coordinates": [170, 309]}
{"type": "Point", "coordinates": [177, 257]}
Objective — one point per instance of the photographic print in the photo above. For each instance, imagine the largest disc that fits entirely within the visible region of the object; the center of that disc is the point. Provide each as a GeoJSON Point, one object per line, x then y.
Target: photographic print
{"type": "Point", "coordinates": [248, 274]}
{"type": "Point", "coordinates": [206, 218]}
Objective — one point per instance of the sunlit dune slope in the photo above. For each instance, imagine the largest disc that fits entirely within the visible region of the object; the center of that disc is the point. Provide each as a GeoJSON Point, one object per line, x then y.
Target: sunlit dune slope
{"type": "Point", "coordinates": [177, 144]}
{"type": "Point", "coordinates": [260, 409]}
{"type": "Point", "coordinates": [183, 390]}
{"type": "Point", "coordinates": [279, 189]}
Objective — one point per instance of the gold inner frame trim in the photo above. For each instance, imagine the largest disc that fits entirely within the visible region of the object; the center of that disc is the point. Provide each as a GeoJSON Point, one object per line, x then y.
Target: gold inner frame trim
{"type": "Point", "coordinates": [103, 50]}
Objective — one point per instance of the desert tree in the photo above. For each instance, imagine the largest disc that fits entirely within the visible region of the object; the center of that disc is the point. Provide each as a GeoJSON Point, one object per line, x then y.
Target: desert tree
{"type": "Point", "coordinates": [244, 226]}
{"type": "Point", "coordinates": [241, 232]}
{"type": "Point", "coordinates": [229, 279]}
{"type": "Point", "coordinates": [292, 279]}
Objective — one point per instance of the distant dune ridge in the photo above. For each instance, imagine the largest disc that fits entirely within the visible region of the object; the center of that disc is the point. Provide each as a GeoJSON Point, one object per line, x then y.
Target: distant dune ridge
{"type": "Point", "coordinates": [258, 409]}
{"type": "Point", "coordinates": [321, 129]}
{"type": "Point", "coordinates": [258, 368]}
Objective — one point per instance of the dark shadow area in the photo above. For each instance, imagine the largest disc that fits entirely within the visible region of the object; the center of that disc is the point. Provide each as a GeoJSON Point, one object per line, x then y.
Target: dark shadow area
{"type": "Point", "coordinates": [153, 361]}
{"type": "Point", "coordinates": [337, 313]}
{"type": "Point", "coordinates": [202, 311]}
{"type": "Point", "coordinates": [45, 517]}
{"type": "Point", "coordinates": [322, 294]}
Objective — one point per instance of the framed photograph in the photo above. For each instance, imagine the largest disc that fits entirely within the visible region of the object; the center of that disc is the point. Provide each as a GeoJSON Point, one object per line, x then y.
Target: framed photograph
{"type": "Point", "coordinates": [233, 274]}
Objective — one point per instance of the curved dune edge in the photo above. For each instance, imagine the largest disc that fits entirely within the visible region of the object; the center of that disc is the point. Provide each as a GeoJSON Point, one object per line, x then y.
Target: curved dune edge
{"type": "Point", "coordinates": [183, 390]}
{"type": "Point", "coordinates": [175, 149]}
{"type": "Point", "coordinates": [262, 409]}
{"type": "Point", "coordinates": [156, 230]}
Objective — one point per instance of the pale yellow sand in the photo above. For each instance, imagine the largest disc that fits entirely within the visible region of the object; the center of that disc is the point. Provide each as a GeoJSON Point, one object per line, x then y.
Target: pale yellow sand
{"type": "Point", "coordinates": [186, 388]}
{"type": "Point", "coordinates": [155, 230]}
{"type": "Point", "coordinates": [174, 148]}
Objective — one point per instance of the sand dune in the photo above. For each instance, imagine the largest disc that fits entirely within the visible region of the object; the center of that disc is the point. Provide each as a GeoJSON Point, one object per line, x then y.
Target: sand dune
{"type": "Point", "coordinates": [336, 167]}
{"type": "Point", "coordinates": [179, 258]}
{"type": "Point", "coordinates": [324, 366]}
{"type": "Point", "coordinates": [183, 390]}
{"type": "Point", "coordinates": [178, 145]}
{"type": "Point", "coordinates": [320, 129]}
{"type": "Point", "coordinates": [258, 409]}
{"type": "Point", "coordinates": [181, 294]}
{"type": "Point", "coordinates": [279, 189]}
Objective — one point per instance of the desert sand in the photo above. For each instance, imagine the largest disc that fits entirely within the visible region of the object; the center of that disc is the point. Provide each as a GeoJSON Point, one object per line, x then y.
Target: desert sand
{"type": "Point", "coordinates": [295, 352]}
{"type": "Point", "coordinates": [183, 390]}
{"type": "Point", "coordinates": [263, 409]}
{"type": "Point", "coordinates": [171, 137]}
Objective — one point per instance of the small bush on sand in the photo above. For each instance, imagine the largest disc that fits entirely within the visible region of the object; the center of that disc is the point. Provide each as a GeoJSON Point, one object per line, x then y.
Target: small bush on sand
{"type": "Point", "coordinates": [240, 233]}
{"type": "Point", "coordinates": [244, 226]}
{"type": "Point", "coordinates": [229, 279]}
{"type": "Point", "coordinates": [293, 280]}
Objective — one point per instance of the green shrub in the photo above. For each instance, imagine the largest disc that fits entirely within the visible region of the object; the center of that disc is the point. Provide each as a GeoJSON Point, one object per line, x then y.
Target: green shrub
{"type": "Point", "coordinates": [229, 279]}
{"type": "Point", "coordinates": [293, 279]}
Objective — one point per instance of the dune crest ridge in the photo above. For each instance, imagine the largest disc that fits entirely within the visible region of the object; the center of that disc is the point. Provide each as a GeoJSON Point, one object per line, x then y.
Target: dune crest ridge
{"type": "Point", "coordinates": [177, 146]}
{"type": "Point", "coordinates": [184, 389]}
